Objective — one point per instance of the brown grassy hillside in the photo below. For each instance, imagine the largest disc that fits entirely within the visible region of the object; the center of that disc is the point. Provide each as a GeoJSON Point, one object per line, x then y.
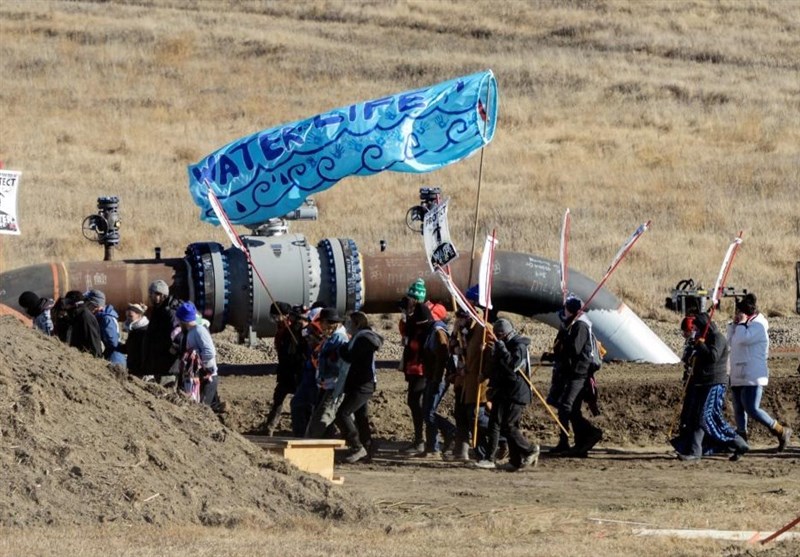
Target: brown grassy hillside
{"type": "Point", "coordinates": [684, 112]}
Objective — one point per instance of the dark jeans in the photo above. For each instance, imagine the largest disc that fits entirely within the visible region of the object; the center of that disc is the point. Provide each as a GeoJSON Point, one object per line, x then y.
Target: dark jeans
{"type": "Point", "coordinates": [504, 420]}
{"type": "Point", "coordinates": [352, 418]}
{"type": "Point", "coordinates": [282, 390]}
{"type": "Point", "coordinates": [434, 422]}
{"type": "Point", "coordinates": [208, 392]}
{"type": "Point", "coordinates": [416, 392]}
{"type": "Point", "coordinates": [569, 410]}
{"type": "Point", "coordinates": [302, 404]}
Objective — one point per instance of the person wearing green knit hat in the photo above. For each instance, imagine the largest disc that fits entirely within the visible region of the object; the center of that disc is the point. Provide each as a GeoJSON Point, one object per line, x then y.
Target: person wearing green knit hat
{"type": "Point", "coordinates": [417, 290]}
{"type": "Point", "coordinates": [414, 327]}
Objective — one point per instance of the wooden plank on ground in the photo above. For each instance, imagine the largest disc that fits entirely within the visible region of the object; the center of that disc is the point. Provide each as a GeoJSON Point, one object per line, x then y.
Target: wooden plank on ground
{"type": "Point", "coordinates": [314, 456]}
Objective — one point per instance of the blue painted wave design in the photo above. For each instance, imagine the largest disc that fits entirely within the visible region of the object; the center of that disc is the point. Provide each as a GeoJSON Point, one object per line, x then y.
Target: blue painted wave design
{"type": "Point", "coordinates": [270, 173]}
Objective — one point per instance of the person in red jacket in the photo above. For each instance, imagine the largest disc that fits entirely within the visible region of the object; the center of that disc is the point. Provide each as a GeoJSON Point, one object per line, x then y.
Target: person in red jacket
{"type": "Point", "coordinates": [414, 327]}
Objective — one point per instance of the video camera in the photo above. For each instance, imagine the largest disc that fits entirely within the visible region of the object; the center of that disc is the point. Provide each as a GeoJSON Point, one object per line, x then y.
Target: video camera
{"type": "Point", "coordinates": [688, 298]}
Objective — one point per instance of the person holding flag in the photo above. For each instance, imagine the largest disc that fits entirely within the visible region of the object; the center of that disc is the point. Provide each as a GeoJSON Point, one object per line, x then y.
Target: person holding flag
{"type": "Point", "coordinates": [510, 393]}
{"type": "Point", "coordinates": [706, 392]}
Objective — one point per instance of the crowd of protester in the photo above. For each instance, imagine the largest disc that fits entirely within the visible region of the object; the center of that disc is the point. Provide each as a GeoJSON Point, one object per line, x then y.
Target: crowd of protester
{"type": "Point", "coordinates": [326, 364]}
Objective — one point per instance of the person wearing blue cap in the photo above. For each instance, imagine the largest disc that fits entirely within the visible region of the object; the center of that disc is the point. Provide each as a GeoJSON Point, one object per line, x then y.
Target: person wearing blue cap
{"type": "Point", "coordinates": [197, 338]}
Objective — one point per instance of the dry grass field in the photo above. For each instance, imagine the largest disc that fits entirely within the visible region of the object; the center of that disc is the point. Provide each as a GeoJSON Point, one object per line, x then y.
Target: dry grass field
{"type": "Point", "coordinates": [687, 113]}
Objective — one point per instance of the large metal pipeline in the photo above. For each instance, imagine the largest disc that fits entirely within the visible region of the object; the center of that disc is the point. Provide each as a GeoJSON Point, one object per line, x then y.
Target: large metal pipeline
{"type": "Point", "coordinates": [227, 292]}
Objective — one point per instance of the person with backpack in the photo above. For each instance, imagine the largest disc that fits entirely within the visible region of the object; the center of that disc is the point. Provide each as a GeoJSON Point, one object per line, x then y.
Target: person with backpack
{"type": "Point", "coordinates": [108, 319]}
{"type": "Point", "coordinates": [435, 355]}
{"type": "Point", "coordinates": [574, 351]}
{"type": "Point", "coordinates": [352, 417]}
{"type": "Point", "coordinates": [510, 393]}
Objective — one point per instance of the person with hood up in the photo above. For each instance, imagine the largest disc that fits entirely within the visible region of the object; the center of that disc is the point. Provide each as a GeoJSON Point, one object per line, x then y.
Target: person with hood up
{"type": "Point", "coordinates": [510, 393]}
{"type": "Point", "coordinates": [749, 348]}
{"type": "Point", "coordinates": [136, 323]}
{"type": "Point", "coordinates": [359, 386]}
{"type": "Point", "coordinates": [160, 358]}
{"type": "Point", "coordinates": [572, 352]}
{"type": "Point", "coordinates": [707, 381]}
{"type": "Point", "coordinates": [39, 309]}
{"type": "Point", "coordinates": [82, 329]}
{"type": "Point", "coordinates": [332, 373]}
{"type": "Point", "coordinates": [108, 319]}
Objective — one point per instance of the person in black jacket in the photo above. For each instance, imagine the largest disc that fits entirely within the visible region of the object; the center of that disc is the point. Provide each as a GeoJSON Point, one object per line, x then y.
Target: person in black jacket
{"type": "Point", "coordinates": [160, 358]}
{"type": "Point", "coordinates": [510, 393]}
{"type": "Point", "coordinates": [572, 351]}
{"type": "Point", "coordinates": [136, 323]}
{"type": "Point", "coordinates": [359, 386]}
{"type": "Point", "coordinates": [291, 358]}
{"type": "Point", "coordinates": [707, 381]}
{"type": "Point", "coordinates": [83, 331]}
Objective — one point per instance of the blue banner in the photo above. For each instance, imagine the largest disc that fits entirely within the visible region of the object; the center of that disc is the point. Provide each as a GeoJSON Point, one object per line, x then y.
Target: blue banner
{"type": "Point", "coordinates": [270, 173]}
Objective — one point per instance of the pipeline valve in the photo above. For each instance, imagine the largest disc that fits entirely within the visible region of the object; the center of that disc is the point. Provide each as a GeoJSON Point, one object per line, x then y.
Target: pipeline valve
{"type": "Point", "coordinates": [103, 227]}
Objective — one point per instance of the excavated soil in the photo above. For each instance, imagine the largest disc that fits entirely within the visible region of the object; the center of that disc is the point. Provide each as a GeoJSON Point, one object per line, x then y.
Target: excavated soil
{"type": "Point", "coordinates": [81, 442]}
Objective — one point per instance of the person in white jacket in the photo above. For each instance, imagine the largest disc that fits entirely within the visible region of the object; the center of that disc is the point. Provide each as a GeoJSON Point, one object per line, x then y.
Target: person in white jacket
{"type": "Point", "coordinates": [749, 347]}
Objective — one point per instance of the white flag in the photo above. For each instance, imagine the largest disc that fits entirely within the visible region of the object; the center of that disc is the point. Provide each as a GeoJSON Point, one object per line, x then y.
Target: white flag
{"type": "Point", "coordinates": [485, 272]}
{"type": "Point", "coordinates": [9, 183]}
{"type": "Point", "coordinates": [436, 235]}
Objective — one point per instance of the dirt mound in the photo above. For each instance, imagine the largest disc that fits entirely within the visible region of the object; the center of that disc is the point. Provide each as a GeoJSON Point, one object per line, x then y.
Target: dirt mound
{"type": "Point", "coordinates": [81, 442]}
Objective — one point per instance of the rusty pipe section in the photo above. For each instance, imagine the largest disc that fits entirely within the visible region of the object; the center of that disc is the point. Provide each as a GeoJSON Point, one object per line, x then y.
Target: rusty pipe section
{"type": "Point", "coordinates": [227, 291]}
{"type": "Point", "coordinates": [121, 281]}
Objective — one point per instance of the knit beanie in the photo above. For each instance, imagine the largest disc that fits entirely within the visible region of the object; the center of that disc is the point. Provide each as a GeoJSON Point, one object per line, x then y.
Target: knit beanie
{"type": "Point", "coordinates": [573, 304]}
{"type": "Point", "coordinates": [28, 300]}
{"type": "Point", "coordinates": [186, 313]}
{"type": "Point", "coordinates": [417, 290]}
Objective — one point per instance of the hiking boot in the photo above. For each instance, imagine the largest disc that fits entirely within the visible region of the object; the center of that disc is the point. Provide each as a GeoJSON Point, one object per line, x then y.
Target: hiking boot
{"type": "Point", "coordinates": [414, 448]}
{"type": "Point", "coordinates": [485, 464]}
{"type": "Point", "coordinates": [508, 467]}
{"type": "Point", "coordinates": [461, 452]}
{"type": "Point", "coordinates": [372, 450]}
{"type": "Point", "coordinates": [560, 449]}
{"type": "Point", "coordinates": [355, 455]}
{"type": "Point", "coordinates": [688, 457]}
{"type": "Point", "coordinates": [783, 437]}
{"type": "Point", "coordinates": [586, 444]}
{"type": "Point", "coordinates": [532, 459]}
{"type": "Point", "coordinates": [434, 454]}
{"type": "Point", "coordinates": [447, 441]}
